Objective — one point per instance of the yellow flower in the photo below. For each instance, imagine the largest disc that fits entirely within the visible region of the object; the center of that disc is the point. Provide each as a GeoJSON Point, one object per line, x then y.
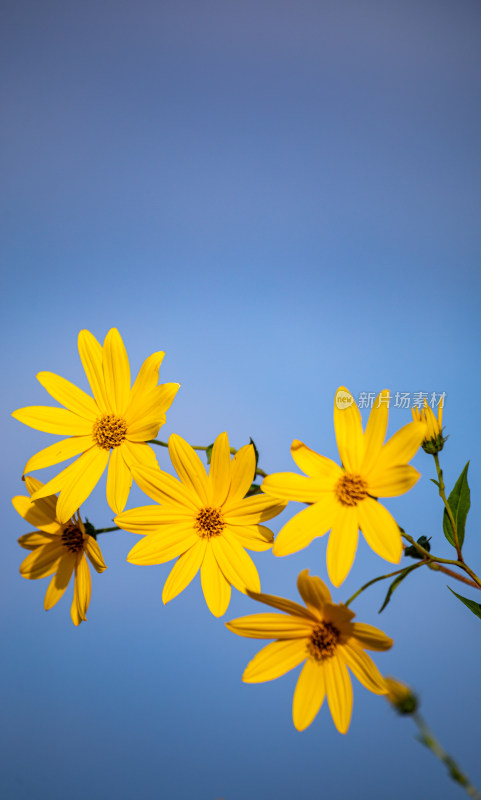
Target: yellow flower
{"type": "Point", "coordinates": [115, 424]}
{"type": "Point", "coordinates": [204, 520]}
{"type": "Point", "coordinates": [433, 441]}
{"type": "Point", "coordinates": [59, 549]}
{"type": "Point", "coordinates": [344, 500]}
{"type": "Point", "coordinates": [324, 637]}
{"type": "Point", "coordinates": [400, 696]}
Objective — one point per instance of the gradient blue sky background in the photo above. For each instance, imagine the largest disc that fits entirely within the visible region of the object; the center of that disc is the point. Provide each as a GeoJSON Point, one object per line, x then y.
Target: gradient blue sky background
{"type": "Point", "coordinates": [284, 197]}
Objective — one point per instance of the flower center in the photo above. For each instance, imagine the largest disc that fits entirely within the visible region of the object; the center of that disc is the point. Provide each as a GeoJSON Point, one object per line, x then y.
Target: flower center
{"type": "Point", "coordinates": [351, 489]}
{"type": "Point", "coordinates": [209, 522]}
{"type": "Point", "coordinates": [72, 538]}
{"type": "Point", "coordinates": [323, 641]}
{"type": "Point", "coordinates": [109, 431]}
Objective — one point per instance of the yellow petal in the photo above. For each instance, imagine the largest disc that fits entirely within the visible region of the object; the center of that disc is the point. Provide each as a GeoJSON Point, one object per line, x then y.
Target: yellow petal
{"type": "Point", "coordinates": [220, 470]}
{"type": "Point", "coordinates": [242, 473]}
{"type": "Point", "coordinates": [119, 481]}
{"type": "Point", "coordinates": [215, 586]}
{"type": "Point", "coordinates": [184, 571]}
{"type": "Point", "coordinates": [153, 405]}
{"type": "Point", "coordinates": [313, 464]}
{"type": "Point", "coordinates": [145, 382]}
{"type": "Point", "coordinates": [36, 514]}
{"type": "Point", "coordinates": [371, 638]}
{"type": "Point", "coordinates": [375, 431]}
{"type": "Point", "coordinates": [342, 544]}
{"type": "Point", "coordinates": [339, 692]}
{"type": "Point", "coordinates": [94, 553]}
{"type": "Point", "coordinates": [235, 563]}
{"type": "Point", "coordinates": [152, 519]}
{"type": "Point", "coordinates": [275, 660]}
{"type": "Point", "coordinates": [289, 486]}
{"type": "Point", "coordinates": [60, 581]}
{"type": "Point", "coordinates": [283, 605]}
{"type": "Point", "coordinates": [43, 561]}
{"type": "Point", "coordinates": [401, 447]}
{"type": "Point", "coordinates": [380, 530]}
{"type": "Point", "coordinates": [30, 541]}
{"type": "Point", "coordinates": [305, 526]}
{"type": "Point", "coordinates": [362, 667]}
{"type": "Point", "coordinates": [76, 482]}
{"type": "Point", "coordinates": [349, 435]}
{"type": "Point", "coordinates": [48, 504]}
{"type": "Point", "coordinates": [116, 370]}
{"type": "Point", "coordinates": [164, 488]}
{"type": "Point", "coordinates": [53, 420]}
{"type": "Point", "coordinates": [392, 481]}
{"type": "Point", "coordinates": [69, 395]}
{"type": "Point", "coordinates": [189, 468]}
{"type": "Point", "coordinates": [313, 591]}
{"type": "Point", "coordinates": [252, 510]}
{"type": "Point", "coordinates": [157, 548]}
{"type": "Point", "coordinates": [82, 590]}
{"type": "Point", "coordinates": [145, 429]}
{"type": "Point", "coordinates": [309, 694]}
{"type": "Point", "coordinates": [138, 454]}
{"type": "Point", "coordinates": [60, 451]}
{"type": "Point", "coordinates": [271, 626]}
{"type": "Point", "coordinates": [254, 537]}
{"type": "Point", "coordinates": [90, 351]}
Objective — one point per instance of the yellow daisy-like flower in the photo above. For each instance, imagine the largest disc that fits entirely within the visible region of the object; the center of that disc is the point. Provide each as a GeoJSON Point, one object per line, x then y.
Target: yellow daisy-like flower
{"type": "Point", "coordinates": [323, 636]}
{"type": "Point", "coordinates": [111, 428]}
{"type": "Point", "coordinates": [433, 442]}
{"type": "Point", "coordinates": [59, 549]}
{"type": "Point", "coordinates": [204, 520]}
{"type": "Point", "coordinates": [344, 499]}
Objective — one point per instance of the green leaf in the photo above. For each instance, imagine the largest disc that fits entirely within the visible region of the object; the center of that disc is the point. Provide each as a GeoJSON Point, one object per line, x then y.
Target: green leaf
{"type": "Point", "coordinates": [459, 502]}
{"type": "Point", "coordinates": [471, 604]}
{"type": "Point", "coordinates": [436, 483]}
{"type": "Point", "coordinates": [255, 489]}
{"type": "Point", "coordinates": [208, 452]}
{"type": "Point", "coordinates": [396, 583]}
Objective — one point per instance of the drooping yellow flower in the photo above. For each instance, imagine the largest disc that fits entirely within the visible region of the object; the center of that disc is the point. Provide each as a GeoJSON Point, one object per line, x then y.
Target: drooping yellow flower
{"type": "Point", "coordinates": [323, 636]}
{"type": "Point", "coordinates": [58, 549]}
{"type": "Point", "coordinates": [344, 499]}
{"type": "Point", "coordinates": [433, 441]}
{"type": "Point", "coordinates": [111, 428]}
{"type": "Point", "coordinates": [401, 696]}
{"type": "Point", "coordinates": [205, 521]}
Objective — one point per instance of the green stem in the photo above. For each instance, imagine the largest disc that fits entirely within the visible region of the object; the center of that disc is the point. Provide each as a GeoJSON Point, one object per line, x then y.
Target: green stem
{"type": "Point", "coordinates": [233, 451]}
{"type": "Point", "coordinates": [442, 494]}
{"type": "Point", "coordinates": [381, 578]}
{"type": "Point", "coordinates": [106, 530]}
{"type": "Point", "coordinates": [435, 559]}
{"type": "Point", "coordinates": [427, 738]}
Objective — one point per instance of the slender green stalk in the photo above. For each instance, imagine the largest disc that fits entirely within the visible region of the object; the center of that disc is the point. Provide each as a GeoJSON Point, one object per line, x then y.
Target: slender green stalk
{"type": "Point", "coordinates": [106, 530]}
{"type": "Point", "coordinates": [427, 738]}
{"type": "Point", "coordinates": [435, 559]}
{"type": "Point", "coordinates": [442, 494]}
{"type": "Point", "coordinates": [381, 578]}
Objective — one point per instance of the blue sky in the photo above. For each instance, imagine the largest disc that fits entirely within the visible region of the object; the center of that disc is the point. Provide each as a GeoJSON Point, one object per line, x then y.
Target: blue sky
{"type": "Point", "coordinates": [285, 198]}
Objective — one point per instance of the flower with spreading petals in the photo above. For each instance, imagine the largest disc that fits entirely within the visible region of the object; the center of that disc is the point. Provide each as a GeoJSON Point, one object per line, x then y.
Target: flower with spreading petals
{"type": "Point", "coordinates": [433, 442]}
{"type": "Point", "coordinates": [322, 635]}
{"type": "Point", "coordinates": [111, 429]}
{"type": "Point", "coordinates": [344, 499]}
{"type": "Point", "coordinates": [58, 549]}
{"type": "Point", "coordinates": [205, 521]}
